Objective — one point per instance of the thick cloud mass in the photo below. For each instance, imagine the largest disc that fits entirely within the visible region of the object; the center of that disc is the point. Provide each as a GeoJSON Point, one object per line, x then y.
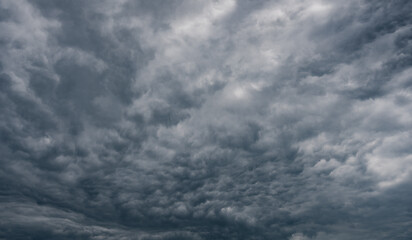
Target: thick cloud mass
{"type": "Point", "coordinates": [288, 119]}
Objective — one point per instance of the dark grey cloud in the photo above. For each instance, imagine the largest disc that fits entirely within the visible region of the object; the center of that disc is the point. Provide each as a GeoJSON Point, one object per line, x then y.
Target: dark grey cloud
{"type": "Point", "coordinates": [205, 120]}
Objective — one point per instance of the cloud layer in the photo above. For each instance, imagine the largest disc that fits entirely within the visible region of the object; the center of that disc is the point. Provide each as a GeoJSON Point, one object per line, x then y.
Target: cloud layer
{"type": "Point", "coordinates": [206, 120]}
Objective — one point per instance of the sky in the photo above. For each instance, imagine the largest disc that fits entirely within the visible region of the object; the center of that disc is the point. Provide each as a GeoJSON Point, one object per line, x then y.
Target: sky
{"type": "Point", "coordinates": [197, 120]}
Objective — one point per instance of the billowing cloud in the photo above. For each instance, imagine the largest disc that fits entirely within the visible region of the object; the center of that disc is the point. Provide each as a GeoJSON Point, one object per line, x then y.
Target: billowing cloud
{"type": "Point", "coordinates": [205, 120]}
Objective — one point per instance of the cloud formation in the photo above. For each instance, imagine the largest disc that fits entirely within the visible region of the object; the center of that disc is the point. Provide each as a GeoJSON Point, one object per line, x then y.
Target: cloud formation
{"type": "Point", "coordinates": [206, 120]}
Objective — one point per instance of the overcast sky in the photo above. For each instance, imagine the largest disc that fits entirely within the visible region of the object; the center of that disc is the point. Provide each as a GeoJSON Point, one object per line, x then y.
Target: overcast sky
{"type": "Point", "coordinates": [162, 120]}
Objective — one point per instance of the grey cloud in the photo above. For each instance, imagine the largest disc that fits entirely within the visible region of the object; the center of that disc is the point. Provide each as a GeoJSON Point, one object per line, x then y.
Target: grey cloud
{"type": "Point", "coordinates": [215, 120]}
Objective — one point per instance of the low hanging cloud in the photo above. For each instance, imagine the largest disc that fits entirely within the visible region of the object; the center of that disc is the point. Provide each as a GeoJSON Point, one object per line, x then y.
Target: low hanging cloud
{"type": "Point", "coordinates": [205, 120]}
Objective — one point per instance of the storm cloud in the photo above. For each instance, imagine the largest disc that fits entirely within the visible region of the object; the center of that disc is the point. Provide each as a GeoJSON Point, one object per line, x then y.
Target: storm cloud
{"type": "Point", "coordinates": [287, 119]}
